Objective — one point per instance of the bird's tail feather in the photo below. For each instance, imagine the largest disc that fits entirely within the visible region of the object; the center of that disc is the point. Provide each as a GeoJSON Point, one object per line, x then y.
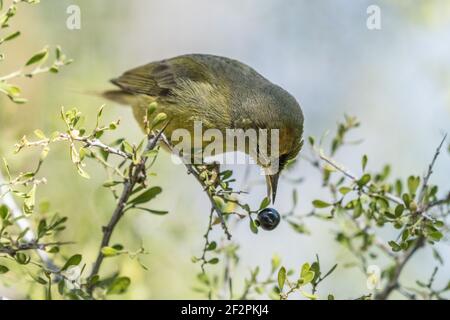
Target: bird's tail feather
{"type": "Point", "coordinates": [119, 96]}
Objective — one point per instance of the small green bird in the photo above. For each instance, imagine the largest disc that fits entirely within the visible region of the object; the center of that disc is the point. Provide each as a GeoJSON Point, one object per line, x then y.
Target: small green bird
{"type": "Point", "coordinates": [221, 93]}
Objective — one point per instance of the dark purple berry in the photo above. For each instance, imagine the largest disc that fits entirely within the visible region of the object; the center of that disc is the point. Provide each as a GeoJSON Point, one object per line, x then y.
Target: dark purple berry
{"type": "Point", "coordinates": [268, 218]}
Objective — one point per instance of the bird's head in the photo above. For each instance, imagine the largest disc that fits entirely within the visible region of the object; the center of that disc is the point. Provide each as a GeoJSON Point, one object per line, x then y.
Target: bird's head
{"type": "Point", "coordinates": [284, 114]}
{"type": "Point", "coordinates": [290, 144]}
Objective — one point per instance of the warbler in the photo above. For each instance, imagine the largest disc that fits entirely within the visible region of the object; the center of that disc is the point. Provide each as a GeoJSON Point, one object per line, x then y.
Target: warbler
{"type": "Point", "coordinates": [222, 94]}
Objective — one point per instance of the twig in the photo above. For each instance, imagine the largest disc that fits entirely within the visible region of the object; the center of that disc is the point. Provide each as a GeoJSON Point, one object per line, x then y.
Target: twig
{"type": "Point", "coordinates": [12, 251]}
{"type": "Point", "coordinates": [437, 202]}
{"type": "Point", "coordinates": [430, 171]}
{"type": "Point", "coordinates": [98, 144]}
{"type": "Point", "coordinates": [38, 70]}
{"type": "Point", "coordinates": [320, 279]}
{"type": "Point", "coordinates": [352, 177]}
{"type": "Point", "coordinates": [193, 170]}
{"type": "Point", "coordinates": [68, 137]}
{"type": "Point", "coordinates": [206, 236]}
{"type": "Point", "coordinates": [393, 283]}
{"type": "Point", "coordinates": [119, 211]}
{"type": "Point", "coordinates": [23, 224]}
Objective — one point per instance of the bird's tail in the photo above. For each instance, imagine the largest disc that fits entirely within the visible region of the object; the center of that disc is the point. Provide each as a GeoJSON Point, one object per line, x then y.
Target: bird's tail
{"type": "Point", "coordinates": [119, 96]}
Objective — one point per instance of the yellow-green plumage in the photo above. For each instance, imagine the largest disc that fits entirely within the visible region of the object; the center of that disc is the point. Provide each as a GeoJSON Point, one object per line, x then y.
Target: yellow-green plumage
{"type": "Point", "coordinates": [221, 92]}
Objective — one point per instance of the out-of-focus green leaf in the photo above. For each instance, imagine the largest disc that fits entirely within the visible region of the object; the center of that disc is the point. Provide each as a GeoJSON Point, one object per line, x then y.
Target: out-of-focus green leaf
{"type": "Point", "coordinates": [73, 261]}
{"type": "Point", "coordinates": [146, 196]}
{"type": "Point", "coordinates": [321, 204]}
{"type": "Point", "coordinates": [119, 285]}
{"type": "Point", "coordinates": [281, 278]}
{"type": "Point", "coordinates": [3, 269]}
{"type": "Point", "coordinates": [38, 57]}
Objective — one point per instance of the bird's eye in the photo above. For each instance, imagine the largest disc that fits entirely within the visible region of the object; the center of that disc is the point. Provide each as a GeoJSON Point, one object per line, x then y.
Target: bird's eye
{"type": "Point", "coordinates": [283, 159]}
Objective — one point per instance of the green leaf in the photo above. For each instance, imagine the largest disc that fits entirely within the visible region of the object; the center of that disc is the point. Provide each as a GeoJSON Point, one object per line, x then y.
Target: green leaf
{"type": "Point", "coordinates": [364, 162]}
{"type": "Point", "coordinates": [305, 269]}
{"type": "Point", "coordinates": [344, 190]}
{"type": "Point", "coordinates": [358, 209]}
{"type": "Point", "coordinates": [406, 199]}
{"type": "Point", "coordinates": [395, 247]}
{"type": "Point", "coordinates": [29, 201]}
{"type": "Point", "coordinates": [12, 36]}
{"type": "Point", "coordinates": [22, 258]}
{"type": "Point", "coordinates": [264, 203]}
{"type": "Point", "coordinates": [226, 174]}
{"type": "Point", "coordinates": [435, 235]}
{"type": "Point", "coordinates": [365, 179]}
{"type": "Point", "coordinates": [40, 280]}
{"type": "Point", "coordinates": [127, 147]}
{"type": "Point", "coordinates": [3, 211]}
{"type": "Point", "coordinates": [109, 252]}
{"type": "Point", "coordinates": [152, 211]}
{"type": "Point", "coordinates": [413, 184]}
{"type": "Point", "coordinates": [3, 269]}
{"type": "Point", "coordinates": [119, 285]}
{"type": "Point", "coordinates": [38, 57]}
{"type": "Point", "coordinates": [160, 117]}
{"type": "Point", "coordinates": [73, 261]}
{"type": "Point", "coordinates": [383, 203]}
{"type": "Point", "coordinates": [439, 223]}
{"type": "Point", "coordinates": [151, 108]}
{"type": "Point", "coordinates": [321, 204]}
{"type": "Point", "coordinates": [146, 196]}
{"type": "Point", "coordinates": [42, 228]}
{"type": "Point", "coordinates": [310, 296]}
{"type": "Point", "coordinates": [390, 215]}
{"type": "Point", "coordinates": [9, 89]}
{"type": "Point", "coordinates": [109, 184]}
{"type": "Point", "coordinates": [81, 172]}
{"type": "Point", "coordinates": [308, 277]}
{"type": "Point", "coordinates": [212, 246]}
{"type": "Point", "coordinates": [213, 261]}
{"type": "Point", "coordinates": [399, 210]}
{"type": "Point", "coordinates": [253, 226]}
{"type": "Point", "coordinates": [219, 202]}
{"type": "Point", "coordinates": [299, 227]}
{"type": "Point", "coordinates": [281, 278]}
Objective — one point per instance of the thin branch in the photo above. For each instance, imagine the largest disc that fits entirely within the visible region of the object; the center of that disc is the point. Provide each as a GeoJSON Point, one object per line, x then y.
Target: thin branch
{"type": "Point", "coordinates": [13, 250]}
{"type": "Point", "coordinates": [23, 224]}
{"type": "Point", "coordinates": [206, 245]}
{"type": "Point", "coordinates": [430, 171]}
{"type": "Point", "coordinates": [193, 170]}
{"type": "Point", "coordinates": [437, 203]}
{"type": "Point", "coordinates": [136, 172]}
{"type": "Point", "coordinates": [98, 144]}
{"type": "Point", "coordinates": [393, 282]}
{"type": "Point", "coordinates": [352, 177]}
{"type": "Point", "coordinates": [20, 73]}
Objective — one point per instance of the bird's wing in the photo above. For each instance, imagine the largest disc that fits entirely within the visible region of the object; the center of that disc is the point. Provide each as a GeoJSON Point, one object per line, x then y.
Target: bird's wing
{"type": "Point", "coordinates": [159, 78]}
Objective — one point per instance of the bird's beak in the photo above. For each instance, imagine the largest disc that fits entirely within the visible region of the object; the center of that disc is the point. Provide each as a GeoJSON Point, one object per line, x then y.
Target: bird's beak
{"type": "Point", "coordinates": [272, 183]}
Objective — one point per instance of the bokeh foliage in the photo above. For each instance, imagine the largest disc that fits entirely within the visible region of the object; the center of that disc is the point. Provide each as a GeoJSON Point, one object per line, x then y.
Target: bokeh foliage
{"type": "Point", "coordinates": [360, 207]}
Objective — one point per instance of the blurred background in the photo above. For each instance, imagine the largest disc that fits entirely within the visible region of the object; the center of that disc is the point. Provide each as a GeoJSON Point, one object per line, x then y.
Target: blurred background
{"type": "Point", "coordinates": [395, 80]}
